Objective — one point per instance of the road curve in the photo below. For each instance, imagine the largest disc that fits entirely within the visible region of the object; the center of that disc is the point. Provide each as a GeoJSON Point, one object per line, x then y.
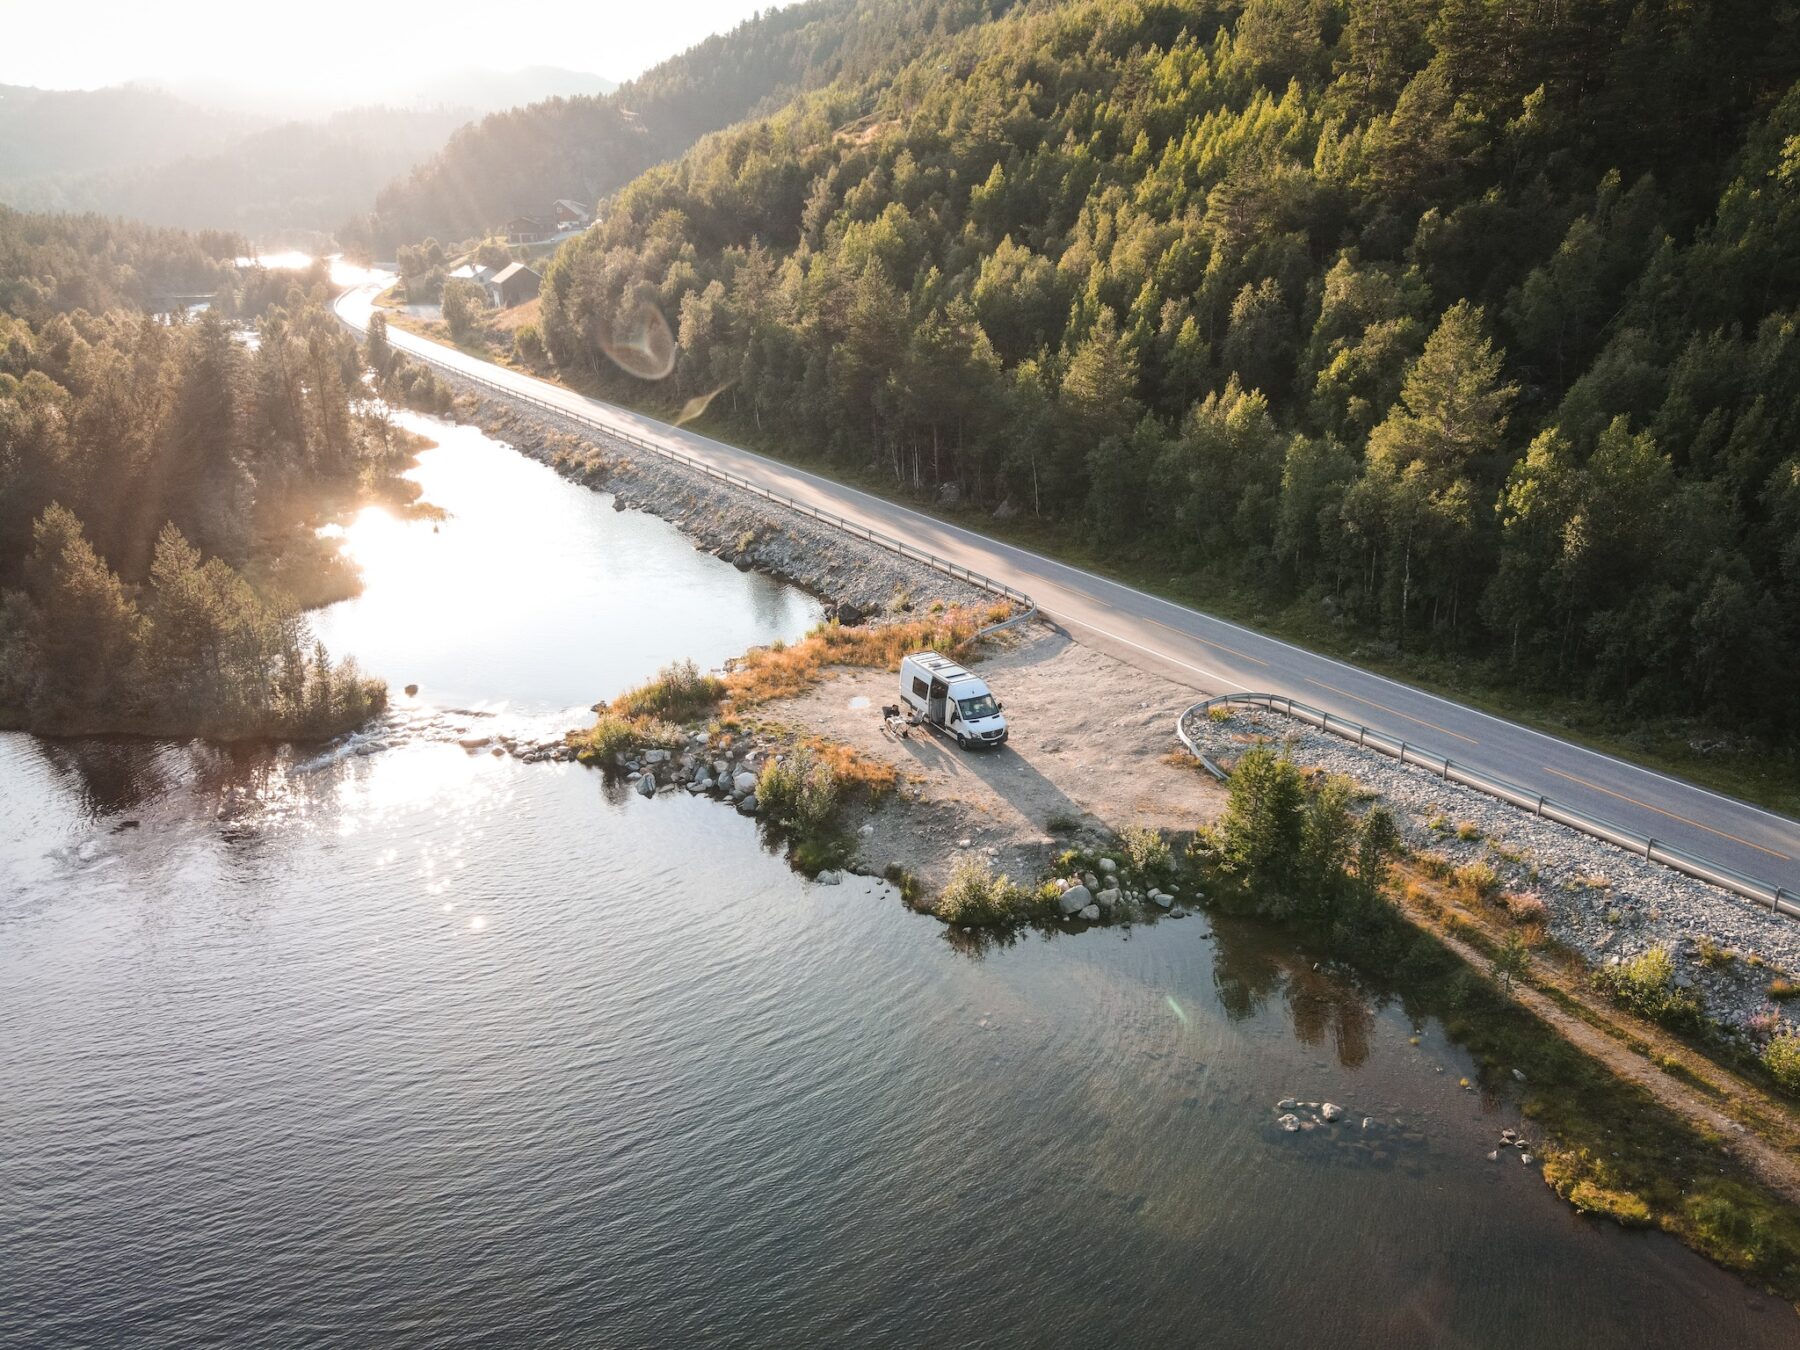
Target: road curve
{"type": "Point", "coordinates": [1215, 656]}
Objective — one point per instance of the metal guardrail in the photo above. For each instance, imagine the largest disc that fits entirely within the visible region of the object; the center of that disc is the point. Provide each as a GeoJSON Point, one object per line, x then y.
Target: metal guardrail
{"type": "Point", "coordinates": [1017, 598]}
{"type": "Point", "coordinates": [1778, 899]}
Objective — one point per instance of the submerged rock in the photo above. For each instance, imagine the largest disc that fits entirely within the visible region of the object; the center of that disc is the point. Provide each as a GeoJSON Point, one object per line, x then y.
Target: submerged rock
{"type": "Point", "coordinates": [646, 786]}
{"type": "Point", "coordinates": [1289, 1122]}
{"type": "Point", "coordinates": [829, 878]}
{"type": "Point", "coordinates": [1331, 1113]}
{"type": "Point", "coordinates": [749, 806]}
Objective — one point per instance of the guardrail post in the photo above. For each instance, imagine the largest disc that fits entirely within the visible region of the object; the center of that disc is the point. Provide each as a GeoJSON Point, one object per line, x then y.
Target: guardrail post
{"type": "Point", "coordinates": [1446, 768]}
{"type": "Point", "coordinates": [1403, 752]}
{"type": "Point", "coordinates": [1649, 844]}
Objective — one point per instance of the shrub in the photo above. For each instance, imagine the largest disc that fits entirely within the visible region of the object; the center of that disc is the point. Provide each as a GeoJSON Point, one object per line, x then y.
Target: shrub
{"type": "Point", "coordinates": [1062, 822]}
{"type": "Point", "coordinates": [1511, 961]}
{"type": "Point", "coordinates": [799, 792]}
{"type": "Point", "coordinates": [976, 897]}
{"type": "Point", "coordinates": [1219, 712]}
{"type": "Point", "coordinates": [1146, 851]}
{"type": "Point", "coordinates": [1467, 830]}
{"type": "Point", "coordinates": [1477, 880]}
{"type": "Point", "coordinates": [679, 693]}
{"type": "Point", "coordinates": [1712, 955]}
{"type": "Point", "coordinates": [1781, 989]}
{"type": "Point", "coordinates": [612, 734]}
{"type": "Point", "coordinates": [528, 344]}
{"type": "Point", "coordinates": [1527, 907]}
{"type": "Point", "coordinates": [1645, 985]}
{"type": "Point", "coordinates": [1781, 1056]}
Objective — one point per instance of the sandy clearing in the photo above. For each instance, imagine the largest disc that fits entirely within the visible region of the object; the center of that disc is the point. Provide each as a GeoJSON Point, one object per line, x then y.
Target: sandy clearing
{"type": "Point", "coordinates": [1089, 736]}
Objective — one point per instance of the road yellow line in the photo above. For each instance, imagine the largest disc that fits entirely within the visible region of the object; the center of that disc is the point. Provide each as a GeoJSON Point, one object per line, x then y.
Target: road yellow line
{"type": "Point", "coordinates": [1395, 711]}
{"type": "Point", "coordinates": [1195, 637]}
{"type": "Point", "coordinates": [1670, 814]}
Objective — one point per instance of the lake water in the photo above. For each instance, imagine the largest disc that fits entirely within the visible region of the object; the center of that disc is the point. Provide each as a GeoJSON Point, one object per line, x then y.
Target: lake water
{"type": "Point", "coordinates": [425, 1047]}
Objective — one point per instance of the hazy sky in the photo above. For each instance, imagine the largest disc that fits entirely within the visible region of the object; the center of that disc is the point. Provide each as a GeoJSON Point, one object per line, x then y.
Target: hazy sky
{"type": "Point", "coordinates": [347, 48]}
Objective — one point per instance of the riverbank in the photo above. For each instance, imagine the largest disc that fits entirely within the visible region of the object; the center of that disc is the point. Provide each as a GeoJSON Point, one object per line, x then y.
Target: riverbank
{"type": "Point", "coordinates": [1090, 760]}
{"type": "Point", "coordinates": [750, 532]}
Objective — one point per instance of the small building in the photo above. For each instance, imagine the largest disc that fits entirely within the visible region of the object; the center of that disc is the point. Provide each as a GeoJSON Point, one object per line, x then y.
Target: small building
{"type": "Point", "coordinates": [571, 215]}
{"type": "Point", "coordinates": [474, 272]}
{"type": "Point", "coordinates": [529, 229]}
{"type": "Point", "coordinates": [513, 285]}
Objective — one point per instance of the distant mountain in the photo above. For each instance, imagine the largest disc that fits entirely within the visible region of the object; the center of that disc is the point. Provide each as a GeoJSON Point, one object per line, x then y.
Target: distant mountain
{"type": "Point", "coordinates": [155, 155]}
{"type": "Point", "coordinates": [475, 90]}
{"type": "Point", "coordinates": [45, 132]}
{"type": "Point", "coordinates": [585, 147]}
{"type": "Point", "coordinates": [299, 176]}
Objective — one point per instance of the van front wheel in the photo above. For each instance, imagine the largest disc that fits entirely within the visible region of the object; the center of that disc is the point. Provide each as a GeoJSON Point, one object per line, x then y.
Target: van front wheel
{"type": "Point", "coordinates": [962, 741]}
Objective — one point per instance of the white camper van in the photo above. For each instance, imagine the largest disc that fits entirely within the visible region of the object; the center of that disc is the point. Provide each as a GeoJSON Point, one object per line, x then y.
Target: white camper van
{"type": "Point", "coordinates": [943, 694]}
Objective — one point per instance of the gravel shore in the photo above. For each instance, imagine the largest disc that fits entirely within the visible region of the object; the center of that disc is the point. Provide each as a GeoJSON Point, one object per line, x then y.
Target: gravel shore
{"type": "Point", "coordinates": [1600, 901]}
{"type": "Point", "coordinates": [740, 527]}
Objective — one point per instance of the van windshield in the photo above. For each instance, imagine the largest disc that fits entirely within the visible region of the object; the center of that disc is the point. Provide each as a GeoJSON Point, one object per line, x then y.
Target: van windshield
{"type": "Point", "coordinates": [974, 709]}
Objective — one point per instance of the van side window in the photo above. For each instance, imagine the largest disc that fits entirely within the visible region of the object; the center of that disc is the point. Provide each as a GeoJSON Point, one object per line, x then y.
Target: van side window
{"type": "Point", "coordinates": [920, 688]}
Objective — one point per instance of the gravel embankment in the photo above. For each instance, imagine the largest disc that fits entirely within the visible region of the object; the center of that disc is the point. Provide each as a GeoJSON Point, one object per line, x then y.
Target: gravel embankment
{"type": "Point", "coordinates": [740, 527]}
{"type": "Point", "coordinates": [1600, 901]}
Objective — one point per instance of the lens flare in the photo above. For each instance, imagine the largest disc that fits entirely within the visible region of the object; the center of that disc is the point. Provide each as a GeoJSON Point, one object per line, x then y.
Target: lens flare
{"type": "Point", "coordinates": [641, 343]}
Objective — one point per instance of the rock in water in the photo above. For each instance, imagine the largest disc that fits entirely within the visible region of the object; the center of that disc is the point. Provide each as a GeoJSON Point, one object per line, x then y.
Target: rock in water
{"type": "Point", "coordinates": [411, 690]}
{"type": "Point", "coordinates": [1331, 1113]}
{"type": "Point", "coordinates": [829, 878]}
{"type": "Point", "coordinates": [1091, 913]}
{"type": "Point", "coordinates": [749, 806]}
{"type": "Point", "coordinates": [1289, 1122]}
{"type": "Point", "coordinates": [1162, 901]}
{"type": "Point", "coordinates": [1076, 899]}
{"type": "Point", "coordinates": [745, 781]}
{"type": "Point", "coordinates": [646, 786]}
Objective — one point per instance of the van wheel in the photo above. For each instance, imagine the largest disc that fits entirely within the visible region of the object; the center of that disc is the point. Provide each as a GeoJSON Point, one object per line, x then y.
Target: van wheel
{"type": "Point", "coordinates": [962, 741]}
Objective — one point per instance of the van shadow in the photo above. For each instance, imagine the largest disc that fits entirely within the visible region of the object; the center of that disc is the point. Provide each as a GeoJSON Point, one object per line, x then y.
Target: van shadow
{"type": "Point", "coordinates": [1005, 772]}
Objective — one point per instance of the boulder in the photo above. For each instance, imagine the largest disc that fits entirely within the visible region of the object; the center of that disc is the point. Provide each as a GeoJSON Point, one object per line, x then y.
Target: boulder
{"type": "Point", "coordinates": [745, 781]}
{"type": "Point", "coordinates": [412, 690]}
{"type": "Point", "coordinates": [1331, 1112]}
{"type": "Point", "coordinates": [847, 614]}
{"type": "Point", "coordinates": [1076, 898]}
{"type": "Point", "coordinates": [1091, 881]}
{"type": "Point", "coordinates": [829, 878]}
{"type": "Point", "coordinates": [1108, 866]}
{"type": "Point", "coordinates": [1091, 913]}
{"type": "Point", "coordinates": [646, 785]}
{"type": "Point", "coordinates": [749, 805]}
{"type": "Point", "coordinates": [1289, 1122]}
{"type": "Point", "coordinates": [655, 756]}
{"type": "Point", "coordinates": [1108, 897]}
{"type": "Point", "coordinates": [1162, 901]}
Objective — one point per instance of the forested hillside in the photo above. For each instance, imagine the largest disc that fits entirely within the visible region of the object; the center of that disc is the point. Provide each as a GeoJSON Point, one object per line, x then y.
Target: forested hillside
{"type": "Point", "coordinates": [1470, 322]}
{"type": "Point", "coordinates": [519, 161]}
{"type": "Point", "coordinates": [149, 469]}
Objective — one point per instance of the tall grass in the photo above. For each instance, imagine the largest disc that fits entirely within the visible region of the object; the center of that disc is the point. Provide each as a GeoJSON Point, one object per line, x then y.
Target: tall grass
{"type": "Point", "coordinates": [782, 671]}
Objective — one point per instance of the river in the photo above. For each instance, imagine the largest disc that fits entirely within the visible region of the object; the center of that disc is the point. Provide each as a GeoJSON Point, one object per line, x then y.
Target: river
{"type": "Point", "coordinates": [411, 1044]}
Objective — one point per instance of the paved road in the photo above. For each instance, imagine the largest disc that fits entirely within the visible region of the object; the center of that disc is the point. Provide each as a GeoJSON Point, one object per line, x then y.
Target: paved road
{"type": "Point", "coordinates": [1214, 656]}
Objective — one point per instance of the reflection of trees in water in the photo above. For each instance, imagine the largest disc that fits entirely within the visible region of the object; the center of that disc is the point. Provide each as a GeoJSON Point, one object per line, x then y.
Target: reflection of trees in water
{"type": "Point", "coordinates": [1251, 963]}
{"type": "Point", "coordinates": [115, 775]}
